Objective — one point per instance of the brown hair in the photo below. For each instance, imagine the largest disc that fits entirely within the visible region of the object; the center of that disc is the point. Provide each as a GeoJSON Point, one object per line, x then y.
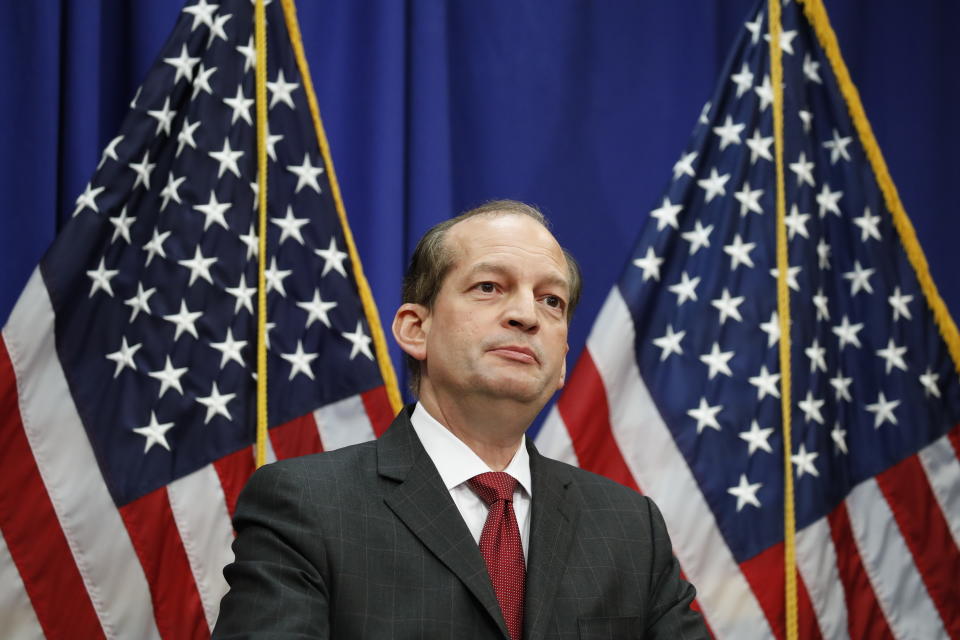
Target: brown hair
{"type": "Point", "coordinates": [432, 260]}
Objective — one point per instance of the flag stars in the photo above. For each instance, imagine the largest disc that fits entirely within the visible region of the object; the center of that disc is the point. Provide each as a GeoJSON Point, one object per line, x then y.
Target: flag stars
{"type": "Point", "coordinates": [868, 225]}
{"type": "Point", "coordinates": [745, 492]}
{"type": "Point", "coordinates": [705, 415]}
{"type": "Point", "coordinates": [171, 191]}
{"type": "Point", "coordinates": [847, 333]}
{"type": "Point", "coordinates": [123, 357]}
{"type": "Point", "coordinates": [929, 381]}
{"type": "Point", "coordinates": [121, 226]}
{"type": "Point", "coordinates": [893, 356]}
{"type": "Point", "coordinates": [230, 349]}
{"type": "Point", "coordinates": [755, 28]}
{"type": "Point", "coordinates": [88, 199]}
{"type": "Point", "coordinates": [757, 438]}
{"type": "Point", "coordinates": [249, 53]}
{"type": "Point", "coordinates": [199, 267]}
{"type": "Point", "coordinates": [281, 91]}
{"type": "Point", "coordinates": [184, 65]}
{"type": "Point", "coordinates": [823, 254]}
{"type": "Point", "coordinates": [227, 158]}
{"type": "Point", "coordinates": [729, 133]}
{"type": "Point", "coordinates": [216, 403]}
{"type": "Point", "coordinates": [728, 305]}
{"type": "Point", "coordinates": [185, 320]}
{"type": "Point", "coordinates": [811, 408]}
{"type": "Point", "coordinates": [686, 289]}
{"type": "Point", "coordinates": [820, 302]}
{"type": "Point", "coordinates": [759, 147]}
{"type": "Point", "coordinates": [666, 214]}
{"type": "Point", "coordinates": [811, 69]}
{"type": "Point", "coordinates": [164, 117]}
{"type": "Point", "coordinates": [185, 137]}
{"type": "Point", "coordinates": [841, 387]}
{"type": "Point", "coordinates": [317, 309]}
{"type": "Point", "coordinates": [792, 274]}
{"type": "Point", "coordinates": [739, 252]}
{"type": "Point", "coordinates": [140, 301]}
{"type": "Point", "coordinates": [859, 279]}
{"type": "Point", "coordinates": [717, 361]}
{"type": "Point", "coordinates": [669, 343]}
{"type": "Point", "coordinates": [306, 174]}
{"type": "Point", "coordinates": [202, 13]}
{"type": "Point", "coordinates": [765, 93]}
{"type": "Point", "coordinates": [684, 166]}
{"type": "Point", "coordinates": [202, 81]}
{"type": "Point", "coordinates": [807, 118]}
{"type": "Point", "coordinates": [882, 410]}
{"type": "Point", "coordinates": [360, 342]}
{"type": "Point", "coordinates": [243, 295]}
{"type": "Point", "coordinates": [169, 377]}
{"type": "Point", "coordinates": [650, 264]}
{"type": "Point", "coordinates": [155, 245]}
{"type": "Point", "coordinates": [698, 237]}
{"type": "Point", "coordinates": [100, 279]}
{"type": "Point", "coordinates": [797, 222]}
{"type": "Point", "coordinates": [786, 40]}
{"type": "Point", "coordinates": [803, 461]}
{"type": "Point", "coordinates": [829, 201]}
{"type": "Point", "coordinates": [837, 147]}
{"type": "Point", "coordinates": [743, 79]}
{"type": "Point", "coordinates": [772, 329]}
{"type": "Point", "coordinates": [251, 241]}
{"type": "Point", "coordinates": [290, 226]}
{"type": "Point", "coordinates": [110, 151]}
{"type": "Point", "coordinates": [899, 304]}
{"type": "Point", "coordinates": [155, 433]}
{"type": "Point", "coordinates": [714, 185]}
{"type": "Point", "coordinates": [333, 258]}
{"type": "Point", "coordinates": [300, 361]}
{"type": "Point", "coordinates": [839, 437]}
{"type": "Point", "coordinates": [275, 276]}
{"type": "Point", "coordinates": [143, 170]}
{"type": "Point", "coordinates": [803, 170]}
{"type": "Point", "coordinates": [766, 383]}
{"type": "Point", "coordinates": [217, 29]}
{"type": "Point", "coordinates": [817, 355]}
{"type": "Point", "coordinates": [749, 199]}
{"type": "Point", "coordinates": [240, 105]}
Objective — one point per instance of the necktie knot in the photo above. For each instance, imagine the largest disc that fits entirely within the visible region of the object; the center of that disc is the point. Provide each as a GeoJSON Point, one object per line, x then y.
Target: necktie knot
{"type": "Point", "coordinates": [493, 486]}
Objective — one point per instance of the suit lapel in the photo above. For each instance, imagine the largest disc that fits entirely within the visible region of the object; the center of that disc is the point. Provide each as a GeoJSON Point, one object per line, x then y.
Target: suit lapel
{"type": "Point", "coordinates": [421, 501]}
{"type": "Point", "coordinates": [554, 513]}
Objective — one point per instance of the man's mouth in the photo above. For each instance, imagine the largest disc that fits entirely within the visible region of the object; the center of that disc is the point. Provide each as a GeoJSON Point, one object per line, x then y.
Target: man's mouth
{"type": "Point", "coordinates": [517, 353]}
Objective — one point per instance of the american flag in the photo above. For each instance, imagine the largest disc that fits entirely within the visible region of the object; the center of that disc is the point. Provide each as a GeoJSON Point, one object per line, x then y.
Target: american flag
{"type": "Point", "coordinates": [678, 391]}
{"type": "Point", "coordinates": [127, 388]}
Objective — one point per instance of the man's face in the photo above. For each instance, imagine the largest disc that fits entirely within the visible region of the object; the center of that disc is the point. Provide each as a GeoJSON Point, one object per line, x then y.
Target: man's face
{"type": "Point", "coordinates": [498, 327]}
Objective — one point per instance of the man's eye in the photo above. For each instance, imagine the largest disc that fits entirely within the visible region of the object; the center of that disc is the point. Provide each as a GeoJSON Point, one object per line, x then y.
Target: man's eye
{"type": "Point", "coordinates": [553, 301]}
{"type": "Point", "coordinates": [486, 287]}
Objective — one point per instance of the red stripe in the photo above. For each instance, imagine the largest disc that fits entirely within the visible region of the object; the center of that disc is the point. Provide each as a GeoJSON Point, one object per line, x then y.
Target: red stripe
{"type": "Point", "coordinates": [927, 535]}
{"type": "Point", "coordinates": [865, 618]}
{"type": "Point", "coordinates": [376, 403]}
{"type": "Point", "coordinates": [173, 590]}
{"type": "Point", "coordinates": [765, 574]}
{"type": "Point", "coordinates": [583, 407]}
{"type": "Point", "coordinates": [299, 437]}
{"type": "Point", "coordinates": [954, 437]}
{"type": "Point", "coordinates": [31, 529]}
{"type": "Point", "coordinates": [234, 470]}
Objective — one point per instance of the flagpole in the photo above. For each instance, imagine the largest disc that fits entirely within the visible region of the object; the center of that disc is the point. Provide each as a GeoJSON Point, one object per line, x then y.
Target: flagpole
{"type": "Point", "coordinates": [260, 74]}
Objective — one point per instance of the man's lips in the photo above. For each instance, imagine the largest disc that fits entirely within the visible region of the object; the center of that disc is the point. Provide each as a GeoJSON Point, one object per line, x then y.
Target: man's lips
{"type": "Point", "coordinates": [520, 354]}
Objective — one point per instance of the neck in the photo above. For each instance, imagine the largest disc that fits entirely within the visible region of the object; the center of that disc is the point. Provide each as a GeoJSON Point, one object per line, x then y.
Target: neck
{"type": "Point", "coordinates": [493, 429]}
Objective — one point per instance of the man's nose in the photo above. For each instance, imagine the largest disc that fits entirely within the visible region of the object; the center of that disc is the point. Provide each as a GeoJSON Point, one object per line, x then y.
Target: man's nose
{"type": "Point", "coordinates": [522, 313]}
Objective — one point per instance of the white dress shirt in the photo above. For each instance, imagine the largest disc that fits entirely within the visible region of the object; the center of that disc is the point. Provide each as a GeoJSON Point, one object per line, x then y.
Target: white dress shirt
{"type": "Point", "coordinates": [457, 463]}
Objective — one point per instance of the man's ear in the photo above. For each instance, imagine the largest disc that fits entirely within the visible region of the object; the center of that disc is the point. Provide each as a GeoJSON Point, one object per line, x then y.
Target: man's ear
{"type": "Point", "coordinates": [563, 368]}
{"type": "Point", "coordinates": [410, 327]}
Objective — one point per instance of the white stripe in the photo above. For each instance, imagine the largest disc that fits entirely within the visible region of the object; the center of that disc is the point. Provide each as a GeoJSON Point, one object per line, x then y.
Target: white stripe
{"type": "Point", "coordinates": [554, 440]}
{"type": "Point", "coordinates": [662, 473]}
{"type": "Point", "coordinates": [95, 533]}
{"type": "Point", "coordinates": [200, 510]}
{"type": "Point", "coordinates": [817, 562]}
{"type": "Point", "coordinates": [343, 423]}
{"type": "Point", "coordinates": [889, 565]}
{"type": "Point", "coordinates": [19, 619]}
{"type": "Point", "coordinates": [940, 462]}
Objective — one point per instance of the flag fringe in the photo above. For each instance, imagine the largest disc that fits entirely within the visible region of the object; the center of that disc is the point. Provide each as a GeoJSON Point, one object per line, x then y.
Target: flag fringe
{"type": "Point", "coordinates": [260, 75]}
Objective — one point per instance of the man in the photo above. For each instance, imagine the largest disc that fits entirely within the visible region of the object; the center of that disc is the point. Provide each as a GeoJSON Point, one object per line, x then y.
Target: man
{"type": "Point", "coordinates": [451, 525]}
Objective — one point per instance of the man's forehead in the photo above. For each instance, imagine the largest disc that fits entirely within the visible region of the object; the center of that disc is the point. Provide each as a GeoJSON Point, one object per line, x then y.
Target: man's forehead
{"type": "Point", "coordinates": [504, 231]}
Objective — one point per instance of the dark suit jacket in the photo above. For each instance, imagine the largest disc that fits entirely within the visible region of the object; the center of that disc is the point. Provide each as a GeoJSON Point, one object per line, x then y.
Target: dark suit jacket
{"type": "Point", "coordinates": [365, 542]}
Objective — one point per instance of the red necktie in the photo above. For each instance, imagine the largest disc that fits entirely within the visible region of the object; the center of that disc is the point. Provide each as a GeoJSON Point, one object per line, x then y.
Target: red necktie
{"type": "Point", "coordinates": [500, 546]}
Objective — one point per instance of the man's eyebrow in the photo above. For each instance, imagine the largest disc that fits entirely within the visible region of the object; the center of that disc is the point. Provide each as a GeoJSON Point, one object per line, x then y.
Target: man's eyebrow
{"type": "Point", "coordinates": [503, 270]}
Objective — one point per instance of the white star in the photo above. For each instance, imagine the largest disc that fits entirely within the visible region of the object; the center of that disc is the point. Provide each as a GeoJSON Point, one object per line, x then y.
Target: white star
{"type": "Point", "coordinates": [317, 309]}
{"type": "Point", "coordinates": [765, 93]}
{"type": "Point", "coordinates": [124, 356]}
{"type": "Point", "coordinates": [841, 387]}
{"type": "Point", "coordinates": [698, 237]}
{"type": "Point", "coordinates": [859, 278]}
{"type": "Point", "coordinates": [164, 117]}
{"type": "Point", "coordinates": [184, 65]}
{"type": "Point", "coordinates": [684, 166]}
{"type": "Point", "coordinates": [745, 492]}
{"type": "Point", "coordinates": [240, 105]}
{"type": "Point", "coordinates": [754, 28]}
{"type": "Point", "coordinates": [185, 321]}
{"type": "Point", "coordinates": [185, 137]}
{"type": "Point", "coordinates": [705, 415]}
{"type": "Point", "coordinates": [249, 54]}
{"type": "Point", "coordinates": [882, 410]}
{"type": "Point", "coordinates": [666, 214]}
{"type": "Point", "coordinates": [817, 354]}
{"type": "Point", "coordinates": [255, 187]}
{"type": "Point", "coordinates": [868, 225]}
{"type": "Point", "coordinates": [757, 438]}
{"type": "Point", "coordinates": [155, 245]}
{"type": "Point", "coordinates": [216, 403]}
{"type": "Point", "coordinates": [281, 91]}
{"type": "Point", "coordinates": [360, 340]}
{"type": "Point", "coordinates": [670, 343]}
{"type": "Point", "coordinates": [650, 264]}
{"type": "Point", "coordinates": [199, 267]}
{"type": "Point", "coordinates": [686, 289]}
{"type": "Point", "coordinates": [893, 356]}
{"type": "Point", "coordinates": [929, 381]}
{"type": "Point", "coordinates": [213, 211]}
{"type": "Point", "coordinates": [766, 383]}
{"type": "Point", "coordinates": [839, 437]}
{"type": "Point", "coordinates": [136, 96]}
{"type": "Point", "coordinates": [140, 302]}
{"type": "Point", "coordinates": [155, 433]}
{"type": "Point", "coordinates": [829, 201]}
{"type": "Point", "coordinates": [100, 279]}
{"type": "Point", "coordinates": [811, 69]}
{"type": "Point", "coordinates": [243, 294]}
{"type": "Point", "coordinates": [704, 112]}
{"type": "Point", "coordinates": [807, 118]}
{"type": "Point", "coordinates": [786, 40]}
{"type": "Point", "coordinates": [300, 361]}
{"type": "Point", "coordinates": [169, 377]}
{"type": "Point", "coordinates": [848, 333]}
{"type": "Point", "coordinates": [110, 151]}
{"type": "Point", "coordinates": [792, 273]}
{"type": "Point", "coordinates": [290, 226]}
{"type": "Point", "coordinates": [121, 225]}
{"type": "Point", "coordinates": [202, 13]}
{"type": "Point", "coordinates": [333, 258]}
{"type": "Point", "coordinates": [743, 80]}
{"type": "Point", "coordinates": [759, 147]}
{"type": "Point", "coordinates": [749, 199]}
{"type": "Point", "coordinates": [272, 141]}
{"type": "Point", "coordinates": [227, 158]}
{"type": "Point", "coordinates": [838, 147]}
{"type": "Point", "coordinates": [275, 277]}
{"type": "Point", "coordinates": [717, 361]}
{"type": "Point", "coordinates": [170, 192]}
{"type": "Point", "coordinates": [820, 302]}
{"type": "Point", "coordinates": [217, 30]}
{"type": "Point", "coordinates": [714, 185]}
{"type": "Point", "coordinates": [803, 169]}
{"type": "Point", "coordinates": [797, 222]}
{"type": "Point", "coordinates": [823, 254]}
{"type": "Point", "coordinates": [811, 408]}
{"type": "Point", "coordinates": [230, 349]}
{"type": "Point", "coordinates": [772, 329]}
{"type": "Point", "coordinates": [306, 174]}
{"type": "Point", "coordinates": [143, 170]}
{"type": "Point", "coordinates": [252, 241]}
{"type": "Point", "coordinates": [728, 306]}
{"type": "Point", "coordinates": [202, 82]}
{"type": "Point", "coordinates": [804, 462]}
{"type": "Point", "coordinates": [739, 252]}
{"type": "Point", "coordinates": [729, 133]}
{"type": "Point", "coordinates": [88, 199]}
{"type": "Point", "coordinates": [899, 303]}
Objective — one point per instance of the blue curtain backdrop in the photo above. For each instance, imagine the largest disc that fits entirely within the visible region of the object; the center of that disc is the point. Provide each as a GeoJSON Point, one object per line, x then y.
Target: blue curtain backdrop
{"type": "Point", "coordinates": [433, 106]}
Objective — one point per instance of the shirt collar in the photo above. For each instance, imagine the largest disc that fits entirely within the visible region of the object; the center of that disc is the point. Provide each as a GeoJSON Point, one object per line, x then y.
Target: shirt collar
{"type": "Point", "coordinates": [455, 461]}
